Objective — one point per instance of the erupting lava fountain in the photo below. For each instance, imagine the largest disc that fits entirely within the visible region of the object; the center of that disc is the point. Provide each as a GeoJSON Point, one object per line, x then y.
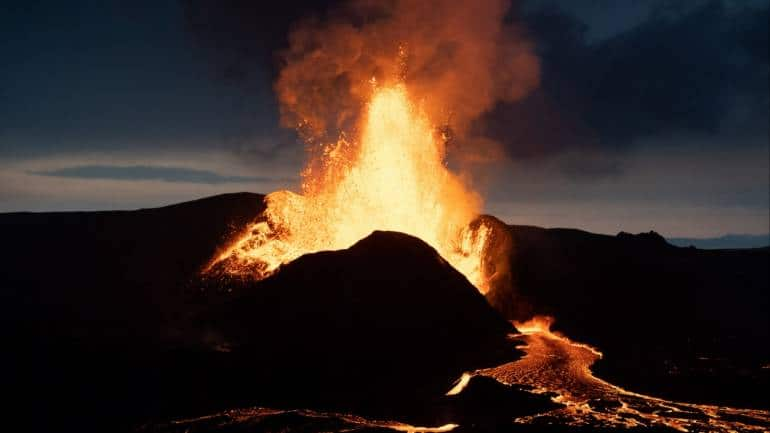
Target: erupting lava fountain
{"type": "Point", "coordinates": [392, 177]}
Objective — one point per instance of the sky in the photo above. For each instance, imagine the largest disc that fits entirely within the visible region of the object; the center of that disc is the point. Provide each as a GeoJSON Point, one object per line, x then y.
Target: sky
{"type": "Point", "coordinates": [650, 114]}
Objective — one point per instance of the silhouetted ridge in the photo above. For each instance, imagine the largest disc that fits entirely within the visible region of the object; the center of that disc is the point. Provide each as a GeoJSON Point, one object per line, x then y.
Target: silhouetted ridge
{"type": "Point", "coordinates": [651, 237]}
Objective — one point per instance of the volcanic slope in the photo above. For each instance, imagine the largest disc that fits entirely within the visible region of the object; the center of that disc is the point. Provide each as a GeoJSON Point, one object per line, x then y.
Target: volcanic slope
{"type": "Point", "coordinates": [106, 311]}
{"type": "Point", "coordinates": [681, 323]}
{"type": "Point", "coordinates": [387, 320]}
{"type": "Point", "coordinates": [120, 322]}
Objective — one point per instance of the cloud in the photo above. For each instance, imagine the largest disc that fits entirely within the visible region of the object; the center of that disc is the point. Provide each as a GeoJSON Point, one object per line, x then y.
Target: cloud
{"type": "Point", "coordinates": [589, 169]}
{"type": "Point", "coordinates": [58, 182]}
{"type": "Point", "coordinates": [698, 72]}
{"type": "Point", "coordinates": [325, 61]}
{"type": "Point", "coordinates": [435, 48]}
{"type": "Point", "coordinates": [240, 36]}
{"type": "Point", "coordinates": [149, 172]}
{"type": "Point", "coordinates": [689, 189]}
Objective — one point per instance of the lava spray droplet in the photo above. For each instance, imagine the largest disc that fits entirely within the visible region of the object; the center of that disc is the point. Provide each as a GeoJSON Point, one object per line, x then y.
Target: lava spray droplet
{"type": "Point", "coordinates": [392, 177]}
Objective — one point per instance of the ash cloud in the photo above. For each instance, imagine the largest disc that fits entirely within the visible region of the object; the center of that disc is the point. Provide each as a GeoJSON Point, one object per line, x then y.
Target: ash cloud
{"type": "Point", "coordinates": [657, 76]}
{"type": "Point", "coordinates": [458, 59]}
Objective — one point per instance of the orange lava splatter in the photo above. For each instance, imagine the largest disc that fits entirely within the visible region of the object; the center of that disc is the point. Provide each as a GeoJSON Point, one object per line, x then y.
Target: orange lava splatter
{"type": "Point", "coordinates": [393, 177]}
{"type": "Point", "coordinates": [556, 365]}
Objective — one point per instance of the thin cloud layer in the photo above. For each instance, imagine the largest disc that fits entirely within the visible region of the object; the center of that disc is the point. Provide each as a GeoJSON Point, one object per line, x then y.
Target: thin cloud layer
{"type": "Point", "coordinates": [148, 172]}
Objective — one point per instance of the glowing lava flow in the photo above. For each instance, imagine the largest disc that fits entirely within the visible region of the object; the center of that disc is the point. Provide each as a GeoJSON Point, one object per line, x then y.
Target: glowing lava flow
{"type": "Point", "coordinates": [392, 178]}
{"type": "Point", "coordinates": [347, 422]}
{"type": "Point", "coordinates": [554, 364]}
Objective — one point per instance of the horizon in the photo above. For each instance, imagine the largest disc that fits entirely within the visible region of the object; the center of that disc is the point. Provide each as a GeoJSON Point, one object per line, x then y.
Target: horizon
{"type": "Point", "coordinates": [118, 106]}
{"type": "Point", "coordinates": [723, 241]}
{"type": "Point", "coordinates": [467, 215]}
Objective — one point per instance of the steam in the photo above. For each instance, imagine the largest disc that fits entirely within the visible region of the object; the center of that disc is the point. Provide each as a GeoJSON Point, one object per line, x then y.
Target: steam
{"type": "Point", "coordinates": [459, 58]}
{"type": "Point", "coordinates": [380, 90]}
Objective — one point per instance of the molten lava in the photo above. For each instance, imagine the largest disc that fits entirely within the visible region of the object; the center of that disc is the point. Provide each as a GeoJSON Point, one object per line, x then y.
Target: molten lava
{"type": "Point", "coordinates": [555, 365]}
{"type": "Point", "coordinates": [393, 177]}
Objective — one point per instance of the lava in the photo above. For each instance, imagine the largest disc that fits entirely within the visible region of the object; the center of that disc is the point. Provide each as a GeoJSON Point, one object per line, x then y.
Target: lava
{"type": "Point", "coordinates": [393, 177]}
{"type": "Point", "coordinates": [557, 366]}
{"type": "Point", "coordinates": [349, 422]}
{"type": "Point", "coordinates": [388, 171]}
{"type": "Point", "coordinates": [377, 91]}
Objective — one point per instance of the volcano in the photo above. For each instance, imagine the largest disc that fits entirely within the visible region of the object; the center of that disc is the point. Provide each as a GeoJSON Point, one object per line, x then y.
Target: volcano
{"type": "Point", "coordinates": [138, 334]}
{"type": "Point", "coordinates": [110, 325]}
{"type": "Point", "coordinates": [384, 322]}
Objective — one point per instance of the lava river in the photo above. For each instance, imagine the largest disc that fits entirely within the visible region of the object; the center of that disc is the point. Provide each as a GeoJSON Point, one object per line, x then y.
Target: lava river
{"type": "Point", "coordinates": [552, 365]}
{"type": "Point", "coordinates": [555, 365]}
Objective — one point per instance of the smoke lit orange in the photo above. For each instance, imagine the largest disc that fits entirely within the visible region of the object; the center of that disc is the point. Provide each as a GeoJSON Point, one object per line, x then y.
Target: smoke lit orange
{"type": "Point", "coordinates": [392, 177]}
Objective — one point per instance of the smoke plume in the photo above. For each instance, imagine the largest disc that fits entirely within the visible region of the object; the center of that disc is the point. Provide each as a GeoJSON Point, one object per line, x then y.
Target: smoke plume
{"type": "Point", "coordinates": [458, 59]}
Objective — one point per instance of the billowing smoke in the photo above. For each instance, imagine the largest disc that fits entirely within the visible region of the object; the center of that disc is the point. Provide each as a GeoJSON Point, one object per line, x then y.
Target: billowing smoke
{"type": "Point", "coordinates": [458, 59]}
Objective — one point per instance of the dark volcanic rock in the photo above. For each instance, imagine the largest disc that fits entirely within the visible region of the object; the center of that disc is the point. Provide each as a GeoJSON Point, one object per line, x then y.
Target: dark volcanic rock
{"type": "Point", "coordinates": [92, 306]}
{"type": "Point", "coordinates": [106, 326]}
{"type": "Point", "coordinates": [86, 276]}
{"type": "Point", "coordinates": [489, 406]}
{"type": "Point", "coordinates": [103, 328]}
{"type": "Point", "coordinates": [682, 323]}
{"type": "Point", "coordinates": [385, 322]}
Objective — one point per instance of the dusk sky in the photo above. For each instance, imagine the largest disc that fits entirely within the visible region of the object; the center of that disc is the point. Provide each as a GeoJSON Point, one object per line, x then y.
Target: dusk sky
{"type": "Point", "coordinates": [650, 115]}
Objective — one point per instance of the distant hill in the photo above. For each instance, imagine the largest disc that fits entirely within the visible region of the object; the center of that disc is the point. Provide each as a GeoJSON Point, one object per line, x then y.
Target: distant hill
{"type": "Point", "coordinates": [724, 242]}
